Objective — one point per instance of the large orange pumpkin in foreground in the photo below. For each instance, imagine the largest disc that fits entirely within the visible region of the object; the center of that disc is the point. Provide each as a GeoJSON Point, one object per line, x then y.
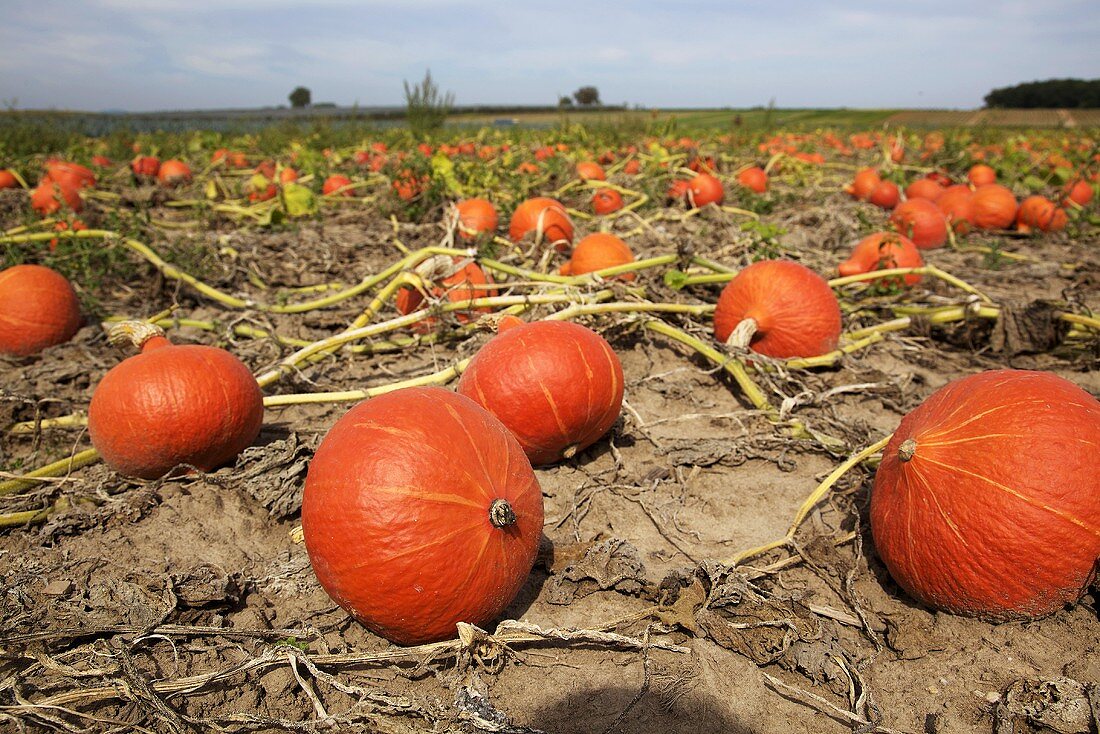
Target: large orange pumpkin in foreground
{"type": "Point", "coordinates": [987, 501]}
{"type": "Point", "coordinates": [881, 251]}
{"type": "Point", "coordinates": [546, 218]}
{"type": "Point", "coordinates": [557, 386]}
{"type": "Point", "coordinates": [171, 405]}
{"type": "Point", "coordinates": [38, 309]}
{"type": "Point", "coordinates": [792, 310]}
{"type": "Point", "coordinates": [420, 511]}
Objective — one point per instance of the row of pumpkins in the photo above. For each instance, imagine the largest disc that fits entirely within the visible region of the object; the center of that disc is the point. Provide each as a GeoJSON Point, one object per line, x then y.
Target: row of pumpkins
{"type": "Point", "coordinates": [933, 203]}
{"type": "Point", "coordinates": [421, 508]}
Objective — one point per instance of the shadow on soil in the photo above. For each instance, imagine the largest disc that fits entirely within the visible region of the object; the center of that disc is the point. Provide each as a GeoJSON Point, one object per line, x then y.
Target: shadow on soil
{"type": "Point", "coordinates": [596, 711]}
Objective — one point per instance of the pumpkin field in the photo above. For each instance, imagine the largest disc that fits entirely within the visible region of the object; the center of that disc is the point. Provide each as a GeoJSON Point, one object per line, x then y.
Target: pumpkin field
{"type": "Point", "coordinates": [591, 428]}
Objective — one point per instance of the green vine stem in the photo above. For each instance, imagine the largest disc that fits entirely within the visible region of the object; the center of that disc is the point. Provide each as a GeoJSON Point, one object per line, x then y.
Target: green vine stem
{"type": "Point", "coordinates": [814, 498]}
{"type": "Point", "coordinates": [173, 273]}
{"type": "Point", "coordinates": [56, 469]}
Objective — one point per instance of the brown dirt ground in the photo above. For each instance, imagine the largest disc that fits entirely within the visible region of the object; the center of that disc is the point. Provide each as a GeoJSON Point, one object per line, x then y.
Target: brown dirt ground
{"type": "Point", "coordinates": [149, 582]}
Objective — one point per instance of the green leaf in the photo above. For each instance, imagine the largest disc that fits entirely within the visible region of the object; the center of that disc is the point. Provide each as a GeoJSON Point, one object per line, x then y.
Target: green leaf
{"type": "Point", "coordinates": [299, 200]}
{"type": "Point", "coordinates": [675, 279]}
{"type": "Point", "coordinates": [1033, 183]}
{"type": "Point", "coordinates": [443, 169]}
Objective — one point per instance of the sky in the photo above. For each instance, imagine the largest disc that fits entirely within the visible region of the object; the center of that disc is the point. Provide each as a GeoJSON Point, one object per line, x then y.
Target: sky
{"type": "Point", "coordinates": [140, 55]}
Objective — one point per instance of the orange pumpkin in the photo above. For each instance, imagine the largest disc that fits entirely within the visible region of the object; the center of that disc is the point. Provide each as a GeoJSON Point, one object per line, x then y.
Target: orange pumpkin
{"type": "Point", "coordinates": [38, 309]}
{"type": "Point", "coordinates": [993, 207]}
{"type": "Point", "coordinates": [1039, 212]}
{"type": "Point", "coordinates": [921, 221]}
{"type": "Point", "coordinates": [591, 171]}
{"type": "Point", "coordinates": [955, 203]}
{"type": "Point", "coordinates": [49, 196]}
{"type": "Point", "coordinates": [883, 251]}
{"type": "Point", "coordinates": [70, 175]}
{"type": "Point", "coordinates": [885, 195]}
{"type": "Point", "coordinates": [864, 183]}
{"type": "Point", "coordinates": [145, 166]}
{"type": "Point", "coordinates": [556, 385]}
{"type": "Point", "coordinates": [451, 277]}
{"type": "Point", "coordinates": [923, 188]}
{"type": "Point", "coordinates": [754, 179]}
{"type": "Point", "coordinates": [981, 174]}
{"type": "Point", "coordinates": [705, 189]}
{"type": "Point", "coordinates": [598, 251]}
{"type": "Point", "coordinates": [8, 180]}
{"type": "Point", "coordinates": [606, 201]}
{"type": "Point", "coordinates": [420, 511]}
{"type": "Point", "coordinates": [792, 310]}
{"type": "Point", "coordinates": [987, 500]}
{"type": "Point", "coordinates": [633, 167]}
{"type": "Point", "coordinates": [173, 173]}
{"type": "Point", "coordinates": [337, 185]}
{"type": "Point", "coordinates": [475, 218]}
{"type": "Point", "coordinates": [546, 218]}
{"type": "Point", "coordinates": [172, 405]}
{"type": "Point", "coordinates": [1079, 192]}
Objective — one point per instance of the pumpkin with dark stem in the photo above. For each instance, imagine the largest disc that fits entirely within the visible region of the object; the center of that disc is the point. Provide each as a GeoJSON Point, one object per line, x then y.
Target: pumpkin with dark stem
{"type": "Point", "coordinates": [172, 405]}
{"type": "Point", "coordinates": [421, 511]}
{"type": "Point", "coordinates": [556, 385]}
{"type": "Point", "coordinates": [38, 309]}
{"type": "Point", "coordinates": [987, 500]}
{"type": "Point", "coordinates": [778, 308]}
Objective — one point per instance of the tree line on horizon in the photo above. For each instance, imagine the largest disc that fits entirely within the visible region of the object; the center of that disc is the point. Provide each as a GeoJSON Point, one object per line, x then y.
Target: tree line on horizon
{"type": "Point", "coordinates": [1048, 94]}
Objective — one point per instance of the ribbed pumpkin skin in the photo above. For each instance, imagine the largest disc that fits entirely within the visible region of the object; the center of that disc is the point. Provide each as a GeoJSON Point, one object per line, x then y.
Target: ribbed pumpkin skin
{"type": "Point", "coordinates": [993, 207]}
{"type": "Point", "coordinates": [921, 221]}
{"type": "Point", "coordinates": [881, 251]}
{"type": "Point", "coordinates": [174, 404]}
{"type": "Point", "coordinates": [557, 228]}
{"type": "Point", "coordinates": [997, 514]}
{"type": "Point", "coordinates": [396, 514]}
{"type": "Point", "coordinates": [796, 311]}
{"type": "Point", "coordinates": [38, 309]}
{"type": "Point", "coordinates": [556, 385]}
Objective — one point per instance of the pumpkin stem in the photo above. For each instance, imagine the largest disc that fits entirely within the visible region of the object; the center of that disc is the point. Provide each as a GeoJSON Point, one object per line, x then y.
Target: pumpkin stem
{"type": "Point", "coordinates": [132, 332]}
{"type": "Point", "coordinates": [501, 514]}
{"type": "Point", "coordinates": [907, 450]}
{"type": "Point", "coordinates": [742, 334]}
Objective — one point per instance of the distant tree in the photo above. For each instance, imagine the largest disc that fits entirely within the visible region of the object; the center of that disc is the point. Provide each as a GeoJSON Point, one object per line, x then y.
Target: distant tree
{"type": "Point", "coordinates": [587, 96]}
{"type": "Point", "coordinates": [564, 101]}
{"type": "Point", "coordinates": [300, 97]}
{"type": "Point", "coordinates": [1052, 93]}
{"type": "Point", "coordinates": [426, 108]}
